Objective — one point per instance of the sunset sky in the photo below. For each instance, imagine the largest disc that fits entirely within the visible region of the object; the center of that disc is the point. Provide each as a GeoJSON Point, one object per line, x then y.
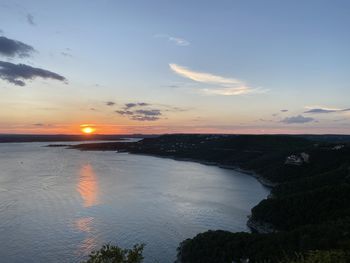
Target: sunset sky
{"type": "Point", "coordinates": [163, 66]}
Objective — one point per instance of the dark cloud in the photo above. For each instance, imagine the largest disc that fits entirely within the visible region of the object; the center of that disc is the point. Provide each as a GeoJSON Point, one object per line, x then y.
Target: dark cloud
{"type": "Point", "coordinates": [93, 109]}
{"type": "Point", "coordinates": [110, 103]}
{"type": "Point", "coordinates": [297, 119]}
{"type": "Point", "coordinates": [144, 118]}
{"type": "Point", "coordinates": [149, 112]}
{"type": "Point", "coordinates": [322, 110]}
{"type": "Point", "coordinates": [12, 48]}
{"type": "Point", "coordinates": [17, 73]}
{"type": "Point", "coordinates": [132, 105]}
{"type": "Point", "coordinates": [30, 19]}
{"type": "Point", "coordinates": [140, 113]}
{"type": "Point", "coordinates": [38, 124]}
{"type": "Point", "coordinates": [284, 110]}
{"type": "Point", "coordinates": [124, 112]}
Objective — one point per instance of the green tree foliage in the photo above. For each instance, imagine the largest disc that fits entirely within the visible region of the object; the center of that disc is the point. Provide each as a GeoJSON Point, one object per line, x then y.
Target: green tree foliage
{"type": "Point", "coordinates": [223, 246]}
{"type": "Point", "coordinates": [114, 254]}
{"type": "Point", "coordinates": [328, 256]}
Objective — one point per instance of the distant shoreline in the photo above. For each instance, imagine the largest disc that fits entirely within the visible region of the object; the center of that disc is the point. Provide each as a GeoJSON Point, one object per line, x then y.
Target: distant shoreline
{"type": "Point", "coordinates": [7, 138]}
{"type": "Point", "coordinates": [17, 138]}
{"type": "Point", "coordinates": [115, 146]}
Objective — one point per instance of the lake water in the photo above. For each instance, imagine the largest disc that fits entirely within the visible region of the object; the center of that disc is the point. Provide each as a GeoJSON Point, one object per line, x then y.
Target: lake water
{"type": "Point", "coordinates": [56, 204]}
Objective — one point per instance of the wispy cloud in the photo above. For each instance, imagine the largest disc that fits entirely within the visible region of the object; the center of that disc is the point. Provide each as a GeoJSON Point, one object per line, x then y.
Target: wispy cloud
{"type": "Point", "coordinates": [179, 41]}
{"type": "Point", "coordinates": [176, 40]}
{"type": "Point", "coordinates": [320, 110]}
{"type": "Point", "coordinates": [30, 19]}
{"type": "Point", "coordinates": [234, 91]}
{"type": "Point", "coordinates": [297, 119]}
{"type": "Point", "coordinates": [67, 53]}
{"type": "Point", "coordinates": [229, 86]}
{"type": "Point", "coordinates": [202, 76]}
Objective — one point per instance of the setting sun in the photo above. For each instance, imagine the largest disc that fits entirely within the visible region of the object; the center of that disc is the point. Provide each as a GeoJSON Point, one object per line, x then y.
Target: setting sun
{"type": "Point", "coordinates": [87, 129]}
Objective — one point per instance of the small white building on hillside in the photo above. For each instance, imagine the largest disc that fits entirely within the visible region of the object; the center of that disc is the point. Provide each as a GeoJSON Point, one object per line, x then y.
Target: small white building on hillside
{"type": "Point", "coordinates": [297, 159]}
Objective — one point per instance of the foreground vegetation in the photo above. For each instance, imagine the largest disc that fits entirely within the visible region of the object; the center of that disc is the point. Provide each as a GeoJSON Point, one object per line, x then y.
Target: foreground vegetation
{"type": "Point", "coordinates": [114, 254]}
{"type": "Point", "coordinates": [307, 213]}
{"type": "Point", "coordinates": [328, 256]}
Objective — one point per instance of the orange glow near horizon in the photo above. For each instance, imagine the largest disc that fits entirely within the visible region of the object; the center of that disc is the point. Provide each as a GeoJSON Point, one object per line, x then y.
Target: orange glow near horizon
{"type": "Point", "coordinates": [76, 128]}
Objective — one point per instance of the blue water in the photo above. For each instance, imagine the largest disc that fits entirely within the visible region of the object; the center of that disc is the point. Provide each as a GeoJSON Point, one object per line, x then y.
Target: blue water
{"type": "Point", "coordinates": [56, 204]}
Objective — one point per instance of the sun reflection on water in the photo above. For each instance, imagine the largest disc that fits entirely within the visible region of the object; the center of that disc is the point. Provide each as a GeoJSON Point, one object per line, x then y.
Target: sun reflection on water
{"type": "Point", "coordinates": [87, 185]}
{"type": "Point", "coordinates": [84, 224]}
{"type": "Point", "coordinates": [88, 244]}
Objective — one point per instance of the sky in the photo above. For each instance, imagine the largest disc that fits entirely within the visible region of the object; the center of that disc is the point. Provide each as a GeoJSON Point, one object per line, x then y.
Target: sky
{"type": "Point", "coordinates": [185, 66]}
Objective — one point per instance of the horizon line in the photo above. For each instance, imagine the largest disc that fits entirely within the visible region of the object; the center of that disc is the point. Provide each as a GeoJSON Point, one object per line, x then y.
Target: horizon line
{"type": "Point", "coordinates": [159, 134]}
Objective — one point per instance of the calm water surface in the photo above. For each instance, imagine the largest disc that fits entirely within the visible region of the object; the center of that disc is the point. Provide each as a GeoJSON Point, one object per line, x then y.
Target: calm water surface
{"type": "Point", "coordinates": [56, 205]}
